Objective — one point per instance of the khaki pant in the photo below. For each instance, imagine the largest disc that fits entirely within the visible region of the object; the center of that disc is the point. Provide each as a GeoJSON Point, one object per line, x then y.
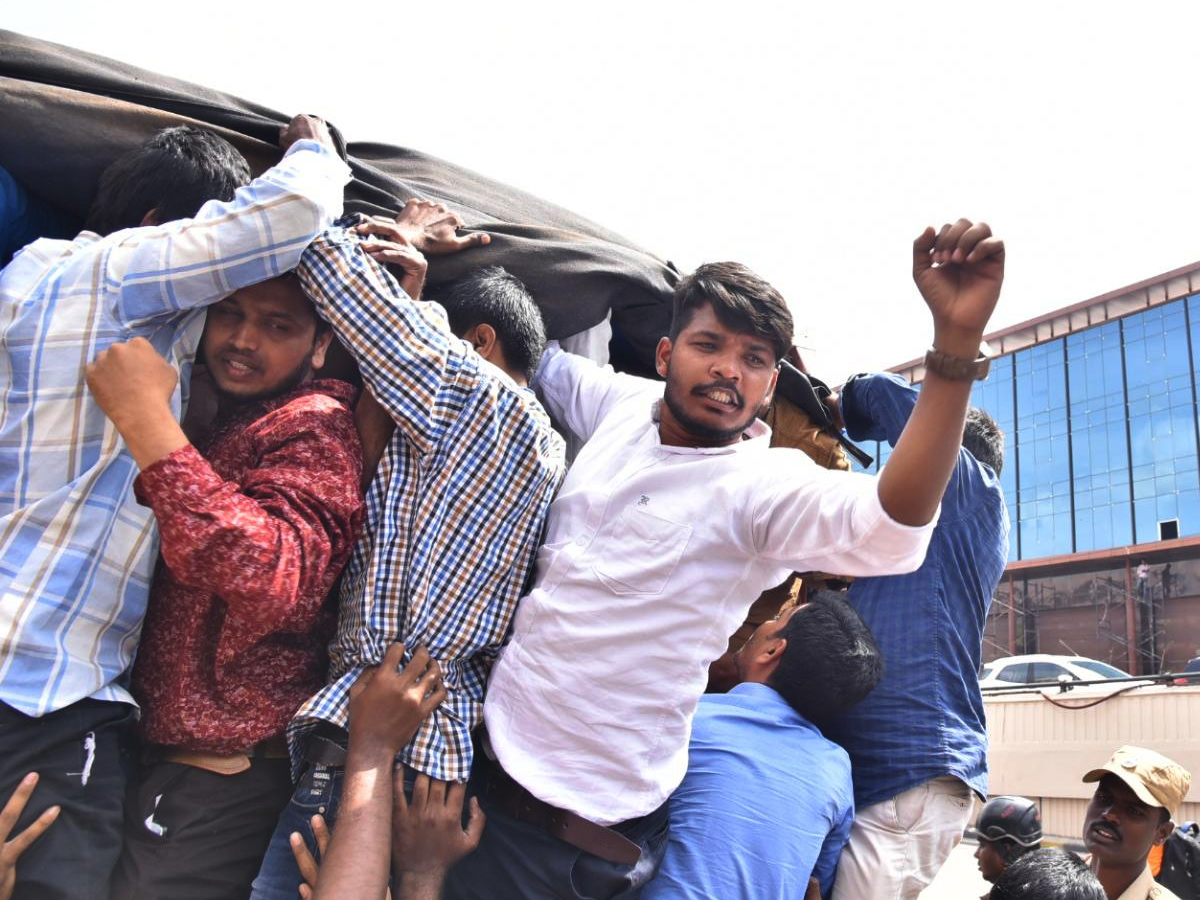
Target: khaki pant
{"type": "Point", "coordinates": [898, 845]}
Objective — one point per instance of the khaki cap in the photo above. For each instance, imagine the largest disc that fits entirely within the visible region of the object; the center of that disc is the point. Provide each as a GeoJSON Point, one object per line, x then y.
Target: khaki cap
{"type": "Point", "coordinates": [1156, 780]}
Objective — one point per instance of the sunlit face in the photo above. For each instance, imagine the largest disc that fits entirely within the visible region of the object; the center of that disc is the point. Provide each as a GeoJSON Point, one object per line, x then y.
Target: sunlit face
{"type": "Point", "coordinates": [991, 863]}
{"type": "Point", "coordinates": [1119, 829]}
{"type": "Point", "coordinates": [717, 380]}
{"type": "Point", "coordinates": [261, 341]}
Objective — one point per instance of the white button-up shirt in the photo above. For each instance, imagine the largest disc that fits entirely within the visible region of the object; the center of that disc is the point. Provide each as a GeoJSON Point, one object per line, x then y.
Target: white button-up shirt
{"type": "Point", "coordinates": [652, 556]}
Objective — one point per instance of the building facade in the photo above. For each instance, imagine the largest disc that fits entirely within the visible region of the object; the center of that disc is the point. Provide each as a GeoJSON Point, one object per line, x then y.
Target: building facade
{"type": "Point", "coordinates": [1098, 403]}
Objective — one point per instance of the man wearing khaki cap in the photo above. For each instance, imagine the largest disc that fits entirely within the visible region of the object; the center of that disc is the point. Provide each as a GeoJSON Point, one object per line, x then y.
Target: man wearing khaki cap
{"type": "Point", "coordinates": [1132, 810]}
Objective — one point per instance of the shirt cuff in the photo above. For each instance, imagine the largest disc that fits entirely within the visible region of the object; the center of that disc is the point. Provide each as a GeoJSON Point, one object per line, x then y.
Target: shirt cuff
{"type": "Point", "coordinates": [177, 475]}
{"type": "Point", "coordinates": [903, 545]}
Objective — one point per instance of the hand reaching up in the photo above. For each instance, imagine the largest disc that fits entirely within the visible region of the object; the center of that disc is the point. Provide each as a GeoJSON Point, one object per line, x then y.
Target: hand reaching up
{"type": "Point", "coordinates": [959, 271]}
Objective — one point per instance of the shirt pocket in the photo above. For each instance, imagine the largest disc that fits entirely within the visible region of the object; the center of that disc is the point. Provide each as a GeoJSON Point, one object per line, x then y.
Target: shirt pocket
{"type": "Point", "coordinates": [637, 552]}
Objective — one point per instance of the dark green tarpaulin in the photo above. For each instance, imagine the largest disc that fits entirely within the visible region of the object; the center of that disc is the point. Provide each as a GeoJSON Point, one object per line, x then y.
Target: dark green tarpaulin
{"type": "Point", "coordinates": [65, 115]}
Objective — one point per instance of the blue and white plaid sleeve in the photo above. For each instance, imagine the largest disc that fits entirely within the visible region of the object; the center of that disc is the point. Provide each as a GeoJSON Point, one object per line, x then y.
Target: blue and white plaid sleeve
{"type": "Point", "coordinates": [259, 234]}
{"type": "Point", "coordinates": [417, 370]}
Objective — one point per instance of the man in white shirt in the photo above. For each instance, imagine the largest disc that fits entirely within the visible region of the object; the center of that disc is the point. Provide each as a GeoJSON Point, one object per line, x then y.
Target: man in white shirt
{"type": "Point", "coordinates": [674, 517]}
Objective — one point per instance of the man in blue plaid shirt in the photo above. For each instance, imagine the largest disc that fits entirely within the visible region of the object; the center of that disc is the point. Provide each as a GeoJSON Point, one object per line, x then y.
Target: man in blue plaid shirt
{"type": "Point", "coordinates": [174, 228]}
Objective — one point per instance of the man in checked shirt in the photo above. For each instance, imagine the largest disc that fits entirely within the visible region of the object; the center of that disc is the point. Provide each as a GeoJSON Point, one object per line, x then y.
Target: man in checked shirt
{"type": "Point", "coordinates": [456, 508]}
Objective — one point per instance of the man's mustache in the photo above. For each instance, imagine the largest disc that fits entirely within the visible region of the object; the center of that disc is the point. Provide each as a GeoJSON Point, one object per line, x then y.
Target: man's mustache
{"type": "Point", "coordinates": [721, 386]}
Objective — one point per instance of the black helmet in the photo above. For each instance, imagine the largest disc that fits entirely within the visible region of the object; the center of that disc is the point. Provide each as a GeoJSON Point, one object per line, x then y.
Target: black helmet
{"type": "Point", "coordinates": [1010, 818]}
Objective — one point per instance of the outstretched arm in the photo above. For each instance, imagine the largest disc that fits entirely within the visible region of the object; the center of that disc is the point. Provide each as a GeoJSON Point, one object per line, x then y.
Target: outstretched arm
{"type": "Point", "coordinates": [386, 706]}
{"type": "Point", "coordinates": [260, 233]}
{"type": "Point", "coordinates": [428, 837]}
{"type": "Point", "coordinates": [959, 271]}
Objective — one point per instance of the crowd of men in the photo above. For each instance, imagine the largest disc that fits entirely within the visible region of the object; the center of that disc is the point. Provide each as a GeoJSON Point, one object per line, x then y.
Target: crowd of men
{"type": "Point", "coordinates": [205, 722]}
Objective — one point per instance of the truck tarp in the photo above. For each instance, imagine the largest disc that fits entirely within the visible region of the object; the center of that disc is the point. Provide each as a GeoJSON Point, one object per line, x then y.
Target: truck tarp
{"type": "Point", "coordinates": [65, 115]}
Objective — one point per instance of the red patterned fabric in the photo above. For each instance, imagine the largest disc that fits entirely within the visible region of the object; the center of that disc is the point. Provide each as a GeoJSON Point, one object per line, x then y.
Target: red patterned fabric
{"type": "Point", "coordinates": [254, 534]}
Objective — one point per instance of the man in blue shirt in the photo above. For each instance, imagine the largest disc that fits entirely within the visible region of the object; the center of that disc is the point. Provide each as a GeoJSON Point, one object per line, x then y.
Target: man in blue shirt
{"type": "Point", "coordinates": [918, 743]}
{"type": "Point", "coordinates": [767, 801]}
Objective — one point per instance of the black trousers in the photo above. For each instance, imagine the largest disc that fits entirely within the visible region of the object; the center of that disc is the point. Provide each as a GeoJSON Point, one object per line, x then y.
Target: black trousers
{"type": "Point", "coordinates": [191, 834]}
{"type": "Point", "coordinates": [82, 754]}
{"type": "Point", "coordinates": [519, 861]}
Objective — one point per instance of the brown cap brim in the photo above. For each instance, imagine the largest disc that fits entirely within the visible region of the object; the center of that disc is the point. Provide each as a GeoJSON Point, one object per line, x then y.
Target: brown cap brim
{"type": "Point", "coordinates": [1135, 785]}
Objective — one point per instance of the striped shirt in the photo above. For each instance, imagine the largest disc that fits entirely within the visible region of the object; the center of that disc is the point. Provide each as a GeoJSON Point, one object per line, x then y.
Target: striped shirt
{"type": "Point", "coordinates": [454, 514]}
{"type": "Point", "coordinates": [76, 550]}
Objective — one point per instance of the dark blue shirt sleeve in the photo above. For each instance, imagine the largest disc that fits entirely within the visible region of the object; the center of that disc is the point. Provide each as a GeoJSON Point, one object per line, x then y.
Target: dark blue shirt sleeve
{"type": "Point", "coordinates": [826, 868]}
{"type": "Point", "coordinates": [877, 407]}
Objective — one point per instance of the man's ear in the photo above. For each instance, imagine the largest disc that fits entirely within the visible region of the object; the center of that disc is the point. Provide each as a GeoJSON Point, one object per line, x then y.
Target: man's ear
{"type": "Point", "coordinates": [770, 395]}
{"type": "Point", "coordinates": [662, 356]}
{"type": "Point", "coordinates": [150, 218]}
{"type": "Point", "coordinates": [483, 338]}
{"type": "Point", "coordinates": [1163, 831]}
{"type": "Point", "coordinates": [320, 346]}
{"type": "Point", "coordinates": [767, 659]}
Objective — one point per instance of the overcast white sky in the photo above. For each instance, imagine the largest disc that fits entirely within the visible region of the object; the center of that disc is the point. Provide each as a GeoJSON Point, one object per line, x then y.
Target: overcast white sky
{"type": "Point", "coordinates": [811, 142]}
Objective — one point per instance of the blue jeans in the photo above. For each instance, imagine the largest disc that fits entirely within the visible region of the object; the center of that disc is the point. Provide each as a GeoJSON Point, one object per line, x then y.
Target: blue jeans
{"type": "Point", "coordinates": [319, 791]}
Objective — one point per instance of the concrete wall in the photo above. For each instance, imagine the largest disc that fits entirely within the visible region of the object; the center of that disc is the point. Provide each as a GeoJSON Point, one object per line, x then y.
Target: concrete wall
{"type": "Point", "coordinates": [1039, 750]}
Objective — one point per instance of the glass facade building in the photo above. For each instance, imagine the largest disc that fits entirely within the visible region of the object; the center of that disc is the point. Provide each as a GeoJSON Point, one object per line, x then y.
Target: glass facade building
{"type": "Point", "coordinates": [1102, 478]}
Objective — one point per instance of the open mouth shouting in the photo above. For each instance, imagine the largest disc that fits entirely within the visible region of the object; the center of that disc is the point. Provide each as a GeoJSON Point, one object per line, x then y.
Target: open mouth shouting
{"type": "Point", "coordinates": [1102, 832]}
{"type": "Point", "coordinates": [236, 366]}
{"type": "Point", "coordinates": [721, 394]}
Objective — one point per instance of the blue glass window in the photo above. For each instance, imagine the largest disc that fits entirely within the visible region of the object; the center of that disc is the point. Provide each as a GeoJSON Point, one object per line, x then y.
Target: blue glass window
{"type": "Point", "coordinates": [1045, 523]}
{"type": "Point", "coordinates": [1099, 448]}
{"type": "Point", "coordinates": [1162, 423]}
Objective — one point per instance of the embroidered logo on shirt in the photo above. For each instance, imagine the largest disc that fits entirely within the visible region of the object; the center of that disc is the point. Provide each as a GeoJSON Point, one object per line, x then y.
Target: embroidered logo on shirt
{"type": "Point", "coordinates": [643, 500]}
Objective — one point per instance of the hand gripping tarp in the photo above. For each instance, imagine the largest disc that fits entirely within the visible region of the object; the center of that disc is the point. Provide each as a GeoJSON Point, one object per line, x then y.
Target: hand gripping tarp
{"type": "Point", "coordinates": [65, 115]}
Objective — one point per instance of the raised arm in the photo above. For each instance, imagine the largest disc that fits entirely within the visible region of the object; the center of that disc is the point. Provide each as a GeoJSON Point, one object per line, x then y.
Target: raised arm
{"type": "Point", "coordinates": [386, 706]}
{"type": "Point", "coordinates": [959, 271]}
{"type": "Point", "coordinates": [417, 370]}
{"type": "Point", "coordinates": [579, 394]}
{"type": "Point", "coordinates": [428, 837]}
{"type": "Point", "coordinates": [180, 265]}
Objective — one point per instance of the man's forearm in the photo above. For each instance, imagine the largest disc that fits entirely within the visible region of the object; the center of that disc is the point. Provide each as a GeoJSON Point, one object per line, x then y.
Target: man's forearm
{"type": "Point", "coordinates": [198, 261]}
{"type": "Point", "coordinates": [357, 863]}
{"type": "Point", "coordinates": [404, 349]}
{"type": "Point", "coordinates": [419, 887]}
{"type": "Point", "coordinates": [915, 477]}
{"type": "Point", "coordinates": [152, 435]}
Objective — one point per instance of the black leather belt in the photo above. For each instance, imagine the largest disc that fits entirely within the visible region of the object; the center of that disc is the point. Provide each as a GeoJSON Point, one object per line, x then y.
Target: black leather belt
{"type": "Point", "coordinates": [326, 746]}
{"type": "Point", "coordinates": [513, 800]}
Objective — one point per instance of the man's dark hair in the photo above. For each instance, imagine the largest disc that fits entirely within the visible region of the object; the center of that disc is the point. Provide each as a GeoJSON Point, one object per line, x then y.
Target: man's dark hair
{"type": "Point", "coordinates": [740, 300]}
{"type": "Point", "coordinates": [983, 438]}
{"type": "Point", "coordinates": [491, 296]}
{"type": "Point", "coordinates": [1048, 874]}
{"type": "Point", "coordinates": [831, 660]}
{"type": "Point", "coordinates": [1009, 850]}
{"type": "Point", "coordinates": [175, 172]}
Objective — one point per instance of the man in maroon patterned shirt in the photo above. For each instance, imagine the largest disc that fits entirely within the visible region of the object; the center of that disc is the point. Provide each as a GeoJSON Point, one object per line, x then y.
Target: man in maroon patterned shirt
{"type": "Point", "coordinates": [256, 524]}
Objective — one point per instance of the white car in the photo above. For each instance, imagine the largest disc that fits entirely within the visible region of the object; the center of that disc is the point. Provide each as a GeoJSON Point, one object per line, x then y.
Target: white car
{"type": "Point", "coordinates": [1045, 667]}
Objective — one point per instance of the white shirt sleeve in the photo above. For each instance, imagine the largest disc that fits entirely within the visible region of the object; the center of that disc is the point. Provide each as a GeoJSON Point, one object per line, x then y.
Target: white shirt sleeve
{"type": "Point", "coordinates": [816, 519]}
{"type": "Point", "coordinates": [579, 394]}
